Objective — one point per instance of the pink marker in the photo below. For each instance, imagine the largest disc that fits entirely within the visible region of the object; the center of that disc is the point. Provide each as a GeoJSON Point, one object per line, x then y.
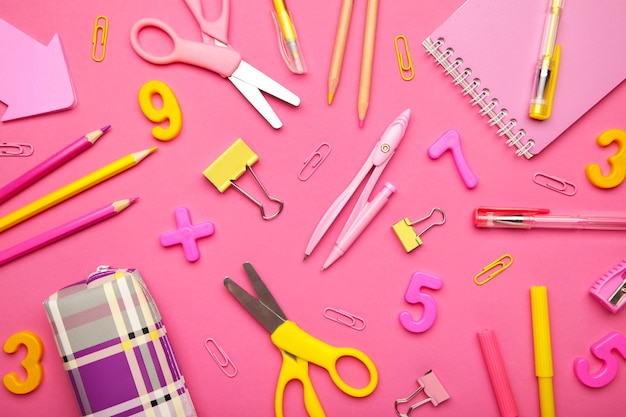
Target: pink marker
{"type": "Point", "coordinates": [44, 168]}
{"type": "Point", "coordinates": [497, 373]}
{"type": "Point", "coordinates": [451, 140]}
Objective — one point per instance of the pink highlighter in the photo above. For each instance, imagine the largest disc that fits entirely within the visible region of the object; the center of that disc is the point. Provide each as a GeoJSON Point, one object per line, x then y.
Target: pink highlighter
{"type": "Point", "coordinates": [497, 373]}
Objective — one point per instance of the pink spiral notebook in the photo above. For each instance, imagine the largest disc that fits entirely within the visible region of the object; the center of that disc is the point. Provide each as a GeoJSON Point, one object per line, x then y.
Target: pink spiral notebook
{"type": "Point", "coordinates": [490, 50]}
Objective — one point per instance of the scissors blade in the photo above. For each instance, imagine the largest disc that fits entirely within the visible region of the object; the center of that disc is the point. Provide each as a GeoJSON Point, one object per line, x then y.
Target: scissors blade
{"type": "Point", "coordinates": [263, 314]}
{"type": "Point", "coordinates": [255, 97]}
{"type": "Point", "coordinates": [253, 76]}
{"type": "Point", "coordinates": [261, 290]}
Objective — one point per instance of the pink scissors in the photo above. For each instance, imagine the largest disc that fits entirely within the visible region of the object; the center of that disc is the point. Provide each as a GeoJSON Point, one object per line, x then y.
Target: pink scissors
{"type": "Point", "coordinates": [215, 54]}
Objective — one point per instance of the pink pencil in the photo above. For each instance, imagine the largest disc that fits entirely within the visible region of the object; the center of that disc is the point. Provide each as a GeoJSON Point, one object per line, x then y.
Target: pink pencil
{"type": "Point", "coordinates": [63, 231]}
{"type": "Point", "coordinates": [44, 168]}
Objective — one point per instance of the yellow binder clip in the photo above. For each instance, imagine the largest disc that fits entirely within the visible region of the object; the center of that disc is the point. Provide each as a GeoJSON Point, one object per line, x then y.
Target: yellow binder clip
{"type": "Point", "coordinates": [100, 31]}
{"type": "Point", "coordinates": [407, 235]}
{"type": "Point", "coordinates": [231, 165]}
{"type": "Point", "coordinates": [494, 268]}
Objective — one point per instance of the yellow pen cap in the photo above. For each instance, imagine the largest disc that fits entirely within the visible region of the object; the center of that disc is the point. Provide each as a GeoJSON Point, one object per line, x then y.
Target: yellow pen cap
{"type": "Point", "coordinates": [541, 105]}
{"type": "Point", "coordinates": [541, 331]}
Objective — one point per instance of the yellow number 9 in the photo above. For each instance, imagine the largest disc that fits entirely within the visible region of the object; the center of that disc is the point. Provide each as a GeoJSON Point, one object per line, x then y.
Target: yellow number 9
{"type": "Point", "coordinates": [31, 363]}
{"type": "Point", "coordinates": [617, 162]}
{"type": "Point", "coordinates": [170, 109]}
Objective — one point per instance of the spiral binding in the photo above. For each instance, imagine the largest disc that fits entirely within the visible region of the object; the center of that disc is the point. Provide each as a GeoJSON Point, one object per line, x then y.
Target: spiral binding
{"type": "Point", "coordinates": [470, 86]}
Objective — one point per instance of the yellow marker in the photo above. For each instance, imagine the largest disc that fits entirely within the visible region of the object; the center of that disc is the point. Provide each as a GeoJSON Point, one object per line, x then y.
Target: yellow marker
{"type": "Point", "coordinates": [543, 349]}
{"type": "Point", "coordinates": [73, 188]}
{"type": "Point", "coordinates": [288, 39]}
{"type": "Point", "coordinates": [547, 66]}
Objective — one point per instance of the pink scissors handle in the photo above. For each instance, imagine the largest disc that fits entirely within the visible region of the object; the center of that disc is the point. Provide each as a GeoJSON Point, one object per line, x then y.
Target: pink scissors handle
{"type": "Point", "coordinates": [217, 29]}
{"type": "Point", "coordinates": [223, 61]}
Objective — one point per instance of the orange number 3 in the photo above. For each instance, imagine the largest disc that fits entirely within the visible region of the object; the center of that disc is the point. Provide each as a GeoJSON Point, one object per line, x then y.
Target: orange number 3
{"type": "Point", "coordinates": [617, 162]}
{"type": "Point", "coordinates": [31, 363]}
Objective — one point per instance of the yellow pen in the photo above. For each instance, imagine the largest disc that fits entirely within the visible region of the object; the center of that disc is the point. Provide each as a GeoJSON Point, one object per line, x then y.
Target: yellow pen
{"type": "Point", "coordinates": [287, 38]}
{"type": "Point", "coordinates": [547, 65]}
{"type": "Point", "coordinates": [543, 349]}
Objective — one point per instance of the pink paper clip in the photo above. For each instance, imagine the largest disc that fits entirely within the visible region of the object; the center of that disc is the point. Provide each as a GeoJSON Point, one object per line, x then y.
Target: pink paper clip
{"type": "Point", "coordinates": [555, 183]}
{"type": "Point", "coordinates": [313, 161]}
{"type": "Point", "coordinates": [16, 149]}
{"type": "Point", "coordinates": [432, 387]}
{"type": "Point", "coordinates": [610, 289]}
{"type": "Point", "coordinates": [225, 363]}
{"type": "Point", "coordinates": [345, 318]}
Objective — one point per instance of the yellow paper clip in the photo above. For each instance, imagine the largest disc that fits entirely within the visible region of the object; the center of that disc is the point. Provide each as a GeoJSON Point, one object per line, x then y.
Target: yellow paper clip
{"type": "Point", "coordinates": [100, 31]}
{"type": "Point", "coordinates": [494, 268]}
{"type": "Point", "coordinates": [225, 363]}
{"type": "Point", "coordinates": [231, 165]}
{"type": "Point", "coordinates": [406, 68]}
{"type": "Point", "coordinates": [407, 235]}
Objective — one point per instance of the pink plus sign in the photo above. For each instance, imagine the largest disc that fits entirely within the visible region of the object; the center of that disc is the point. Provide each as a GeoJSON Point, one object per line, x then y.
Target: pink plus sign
{"type": "Point", "coordinates": [187, 234]}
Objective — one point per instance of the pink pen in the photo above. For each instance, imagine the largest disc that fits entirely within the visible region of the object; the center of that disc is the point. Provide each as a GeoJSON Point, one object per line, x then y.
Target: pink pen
{"type": "Point", "coordinates": [364, 218]}
{"type": "Point", "coordinates": [529, 218]}
{"type": "Point", "coordinates": [47, 166]}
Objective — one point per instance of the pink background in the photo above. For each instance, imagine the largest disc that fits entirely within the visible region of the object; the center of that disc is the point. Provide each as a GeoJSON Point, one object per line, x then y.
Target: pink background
{"type": "Point", "coordinates": [370, 280]}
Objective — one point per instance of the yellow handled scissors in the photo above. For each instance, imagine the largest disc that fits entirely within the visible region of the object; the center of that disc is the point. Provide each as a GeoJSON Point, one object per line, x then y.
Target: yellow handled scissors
{"type": "Point", "coordinates": [298, 348]}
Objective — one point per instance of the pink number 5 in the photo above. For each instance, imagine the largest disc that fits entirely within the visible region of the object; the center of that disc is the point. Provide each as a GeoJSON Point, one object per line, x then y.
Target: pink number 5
{"type": "Point", "coordinates": [602, 350]}
{"type": "Point", "coordinates": [414, 295]}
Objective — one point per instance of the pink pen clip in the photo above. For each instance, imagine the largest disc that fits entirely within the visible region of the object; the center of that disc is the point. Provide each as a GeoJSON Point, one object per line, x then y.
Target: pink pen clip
{"type": "Point", "coordinates": [610, 289]}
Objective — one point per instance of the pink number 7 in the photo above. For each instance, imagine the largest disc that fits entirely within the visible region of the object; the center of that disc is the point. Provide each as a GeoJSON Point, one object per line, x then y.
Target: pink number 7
{"type": "Point", "coordinates": [414, 295]}
{"type": "Point", "coordinates": [602, 350]}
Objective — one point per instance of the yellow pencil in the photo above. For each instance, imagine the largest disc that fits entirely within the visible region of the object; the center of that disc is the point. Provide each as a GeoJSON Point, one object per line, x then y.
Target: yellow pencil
{"type": "Point", "coordinates": [73, 188]}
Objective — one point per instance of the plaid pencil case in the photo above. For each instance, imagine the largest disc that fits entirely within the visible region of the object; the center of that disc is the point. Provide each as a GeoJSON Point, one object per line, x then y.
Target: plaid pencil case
{"type": "Point", "coordinates": [115, 348]}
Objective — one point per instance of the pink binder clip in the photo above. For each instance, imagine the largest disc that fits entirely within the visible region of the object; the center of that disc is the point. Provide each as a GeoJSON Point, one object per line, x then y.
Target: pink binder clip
{"type": "Point", "coordinates": [610, 289]}
{"type": "Point", "coordinates": [435, 393]}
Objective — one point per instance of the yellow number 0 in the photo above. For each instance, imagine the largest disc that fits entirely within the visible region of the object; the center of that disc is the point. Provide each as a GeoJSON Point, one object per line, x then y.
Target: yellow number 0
{"type": "Point", "coordinates": [31, 363]}
{"type": "Point", "coordinates": [170, 109]}
{"type": "Point", "coordinates": [617, 162]}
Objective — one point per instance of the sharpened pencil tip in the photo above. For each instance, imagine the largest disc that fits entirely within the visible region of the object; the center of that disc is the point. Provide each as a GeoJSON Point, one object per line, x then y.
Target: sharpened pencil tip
{"type": "Point", "coordinates": [361, 122]}
{"type": "Point", "coordinates": [105, 128]}
{"type": "Point", "coordinates": [330, 98]}
{"type": "Point", "coordinates": [132, 200]}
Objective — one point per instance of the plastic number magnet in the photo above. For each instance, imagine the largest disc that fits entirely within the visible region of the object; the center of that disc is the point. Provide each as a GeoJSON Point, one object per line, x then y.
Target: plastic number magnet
{"type": "Point", "coordinates": [602, 350]}
{"type": "Point", "coordinates": [187, 234]}
{"type": "Point", "coordinates": [414, 295]}
{"type": "Point", "coordinates": [451, 140]}
{"type": "Point", "coordinates": [31, 363]}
